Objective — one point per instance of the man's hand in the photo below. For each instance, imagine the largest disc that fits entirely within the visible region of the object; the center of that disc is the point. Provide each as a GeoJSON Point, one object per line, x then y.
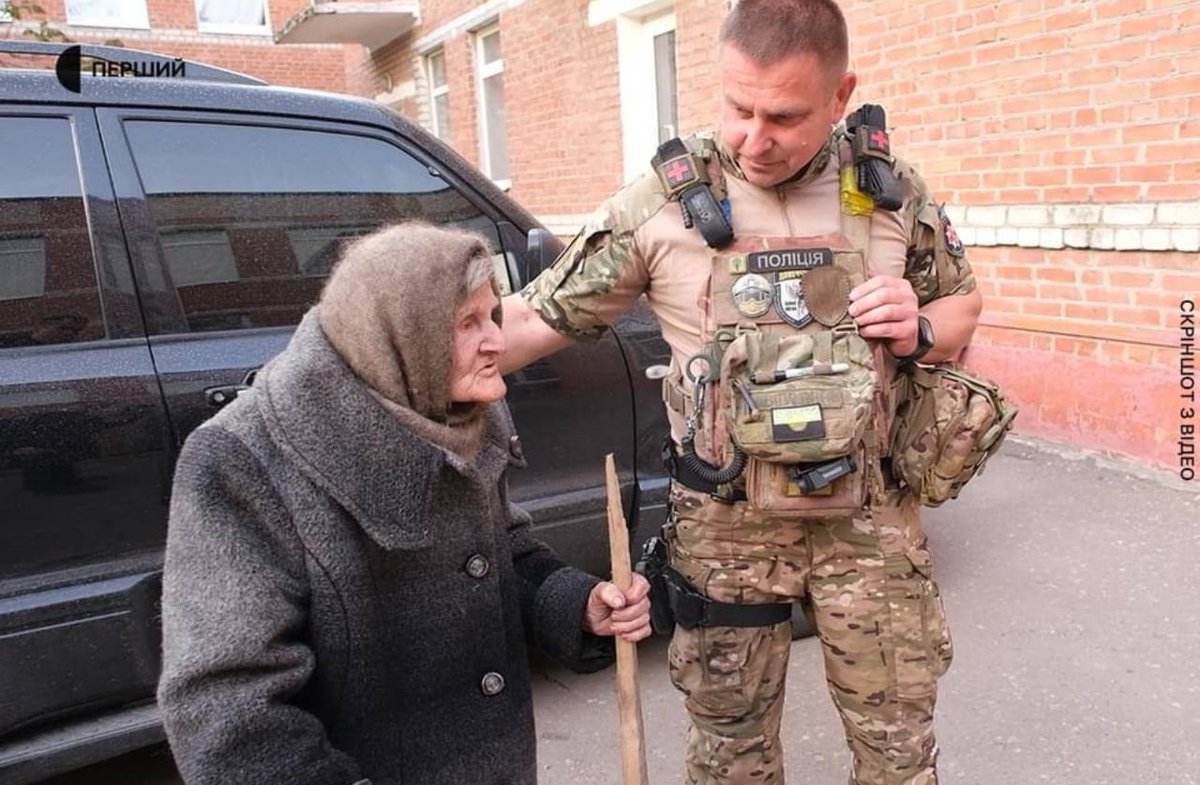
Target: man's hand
{"type": "Point", "coordinates": [885, 308]}
{"type": "Point", "coordinates": [609, 612]}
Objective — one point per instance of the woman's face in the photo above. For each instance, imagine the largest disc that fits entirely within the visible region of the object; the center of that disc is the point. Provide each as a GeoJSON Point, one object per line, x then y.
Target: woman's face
{"type": "Point", "coordinates": [478, 344]}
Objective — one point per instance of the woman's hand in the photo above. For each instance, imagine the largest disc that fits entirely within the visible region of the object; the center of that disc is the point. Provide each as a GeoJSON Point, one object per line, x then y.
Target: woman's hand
{"type": "Point", "coordinates": [609, 612]}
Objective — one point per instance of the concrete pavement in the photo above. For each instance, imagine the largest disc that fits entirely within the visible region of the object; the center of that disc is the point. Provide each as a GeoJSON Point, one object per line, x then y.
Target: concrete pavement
{"type": "Point", "coordinates": [1073, 590]}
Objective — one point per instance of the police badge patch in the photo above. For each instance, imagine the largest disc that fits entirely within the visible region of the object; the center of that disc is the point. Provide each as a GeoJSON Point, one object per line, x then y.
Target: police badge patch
{"type": "Point", "coordinates": [752, 295]}
{"type": "Point", "coordinates": [789, 301]}
{"type": "Point", "coordinates": [954, 245]}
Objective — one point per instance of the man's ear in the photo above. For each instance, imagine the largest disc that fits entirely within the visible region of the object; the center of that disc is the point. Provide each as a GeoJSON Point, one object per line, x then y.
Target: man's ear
{"type": "Point", "coordinates": [841, 96]}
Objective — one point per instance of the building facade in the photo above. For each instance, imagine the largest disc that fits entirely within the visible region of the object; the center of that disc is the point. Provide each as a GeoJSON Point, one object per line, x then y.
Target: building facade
{"type": "Point", "coordinates": [233, 34]}
{"type": "Point", "coordinates": [1064, 137]}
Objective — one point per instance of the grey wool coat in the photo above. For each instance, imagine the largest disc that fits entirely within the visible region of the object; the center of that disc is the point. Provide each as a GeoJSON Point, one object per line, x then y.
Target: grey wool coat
{"type": "Point", "coordinates": [345, 602]}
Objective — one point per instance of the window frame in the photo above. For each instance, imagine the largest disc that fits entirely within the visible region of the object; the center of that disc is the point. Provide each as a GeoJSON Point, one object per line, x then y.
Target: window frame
{"type": "Point", "coordinates": [234, 29]}
{"type": "Point", "coordinates": [134, 22]}
{"type": "Point", "coordinates": [485, 70]}
{"type": "Point", "coordinates": [147, 260]}
{"type": "Point", "coordinates": [436, 92]}
{"type": "Point", "coordinates": [638, 85]}
{"type": "Point", "coordinates": [122, 316]}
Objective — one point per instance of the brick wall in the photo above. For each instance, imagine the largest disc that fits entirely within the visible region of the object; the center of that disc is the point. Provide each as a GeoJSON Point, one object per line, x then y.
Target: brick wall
{"type": "Point", "coordinates": [561, 90]}
{"type": "Point", "coordinates": [1064, 135]}
{"type": "Point", "coordinates": [1061, 133]}
{"type": "Point", "coordinates": [1039, 100]}
{"type": "Point", "coordinates": [174, 31]}
{"type": "Point", "coordinates": [566, 134]}
{"type": "Point", "coordinates": [696, 46]}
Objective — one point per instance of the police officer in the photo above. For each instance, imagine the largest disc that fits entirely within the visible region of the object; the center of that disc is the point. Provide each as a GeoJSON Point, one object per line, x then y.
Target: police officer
{"type": "Point", "coordinates": [781, 178]}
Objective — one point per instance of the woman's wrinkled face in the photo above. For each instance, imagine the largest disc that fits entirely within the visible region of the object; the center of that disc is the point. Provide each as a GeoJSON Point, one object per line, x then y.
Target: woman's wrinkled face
{"type": "Point", "coordinates": [478, 344]}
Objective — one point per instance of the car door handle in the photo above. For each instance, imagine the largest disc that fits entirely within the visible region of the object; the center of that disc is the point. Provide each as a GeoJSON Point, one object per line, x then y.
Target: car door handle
{"type": "Point", "coordinates": [224, 394]}
{"type": "Point", "coordinates": [219, 396]}
{"type": "Point", "coordinates": [656, 372]}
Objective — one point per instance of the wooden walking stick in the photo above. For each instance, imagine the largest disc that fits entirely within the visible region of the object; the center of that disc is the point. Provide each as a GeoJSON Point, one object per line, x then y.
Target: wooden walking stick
{"type": "Point", "coordinates": [629, 703]}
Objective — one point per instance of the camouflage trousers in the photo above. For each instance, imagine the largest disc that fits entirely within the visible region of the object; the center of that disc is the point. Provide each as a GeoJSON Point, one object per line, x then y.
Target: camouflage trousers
{"type": "Point", "coordinates": [878, 614]}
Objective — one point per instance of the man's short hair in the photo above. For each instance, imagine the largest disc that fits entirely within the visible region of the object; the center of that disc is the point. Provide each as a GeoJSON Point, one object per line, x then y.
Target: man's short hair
{"type": "Point", "coordinates": [767, 31]}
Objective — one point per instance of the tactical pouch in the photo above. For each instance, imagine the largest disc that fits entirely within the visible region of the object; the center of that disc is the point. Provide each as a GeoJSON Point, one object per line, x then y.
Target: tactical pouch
{"type": "Point", "coordinates": [793, 399]}
{"type": "Point", "coordinates": [948, 424]}
{"type": "Point", "coordinates": [779, 486]}
{"type": "Point", "coordinates": [653, 567]}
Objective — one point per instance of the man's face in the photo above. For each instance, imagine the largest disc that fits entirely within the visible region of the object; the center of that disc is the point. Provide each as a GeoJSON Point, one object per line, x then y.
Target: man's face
{"type": "Point", "coordinates": [775, 118]}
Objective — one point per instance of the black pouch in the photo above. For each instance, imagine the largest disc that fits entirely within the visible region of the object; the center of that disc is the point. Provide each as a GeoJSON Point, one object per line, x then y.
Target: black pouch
{"type": "Point", "coordinates": [652, 566]}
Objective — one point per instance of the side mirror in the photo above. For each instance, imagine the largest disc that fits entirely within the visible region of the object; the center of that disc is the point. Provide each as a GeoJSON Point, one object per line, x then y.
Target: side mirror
{"type": "Point", "coordinates": [542, 249]}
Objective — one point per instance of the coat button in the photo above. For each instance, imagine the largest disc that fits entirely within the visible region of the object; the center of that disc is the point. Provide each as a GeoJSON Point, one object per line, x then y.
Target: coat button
{"type": "Point", "coordinates": [477, 566]}
{"type": "Point", "coordinates": [514, 447]}
{"type": "Point", "coordinates": [492, 684]}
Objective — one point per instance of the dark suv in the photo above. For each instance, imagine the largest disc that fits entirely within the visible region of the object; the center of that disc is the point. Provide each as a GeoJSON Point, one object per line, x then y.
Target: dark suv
{"type": "Point", "coordinates": [159, 240]}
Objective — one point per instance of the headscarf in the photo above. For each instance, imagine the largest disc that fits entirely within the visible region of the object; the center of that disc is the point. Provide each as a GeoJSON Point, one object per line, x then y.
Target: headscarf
{"type": "Point", "coordinates": [389, 310]}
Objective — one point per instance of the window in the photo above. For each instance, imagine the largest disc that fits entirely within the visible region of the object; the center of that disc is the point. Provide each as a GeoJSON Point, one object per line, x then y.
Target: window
{"type": "Point", "coordinates": [48, 288]}
{"type": "Point", "coordinates": [108, 13]}
{"type": "Point", "coordinates": [439, 94]}
{"type": "Point", "coordinates": [649, 89]}
{"type": "Point", "coordinates": [665, 87]}
{"type": "Point", "coordinates": [198, 257]}
{"type": "Point", "coordinates": [493, 130]}
{"type": "Point", "coordinates": [250, 219]}
{"type": "Point", "coordinates": [232, 16]}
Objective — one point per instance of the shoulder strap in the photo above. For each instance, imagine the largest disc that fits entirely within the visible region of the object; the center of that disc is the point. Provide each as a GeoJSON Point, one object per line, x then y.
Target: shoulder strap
{"type": "Point", "coordinates": [685, 178]}
{"type": "Point", "coordinates": [858, 209]}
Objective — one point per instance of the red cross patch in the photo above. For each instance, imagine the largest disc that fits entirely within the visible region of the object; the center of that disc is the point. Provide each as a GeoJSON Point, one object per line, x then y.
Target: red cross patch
{"type": "Point", "coordinates": [879, 141]}
{"type": "Point", "coordinates": [680, 171]}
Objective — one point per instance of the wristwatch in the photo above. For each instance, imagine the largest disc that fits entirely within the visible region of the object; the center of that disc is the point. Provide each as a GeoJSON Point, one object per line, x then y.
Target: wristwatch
{"type": "Point", "coordinates": [924, 341]}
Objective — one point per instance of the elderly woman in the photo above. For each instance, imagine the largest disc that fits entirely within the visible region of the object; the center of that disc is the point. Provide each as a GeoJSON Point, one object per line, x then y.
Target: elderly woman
{"type": "Point", "coordinates": [348, 592]}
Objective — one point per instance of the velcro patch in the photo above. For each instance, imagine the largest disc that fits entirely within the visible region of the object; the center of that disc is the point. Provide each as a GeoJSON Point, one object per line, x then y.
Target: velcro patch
{"type": "Point", "coordinates": [679, 172]}
{"type": "Point", "coordinates": [827, 292]}
{"type": "Point", "coordinates": [753, 295]}
{"type": "Point", "coordinates": [877, 141]}
{"type": "Point", "coordinates": [789, 259]}
{"type": "Point", "coordinates": [797, 423]}
{"type": "Point", "coordinates": [789, 301]}
{"type": "Point", "coordinates": [954, 245]}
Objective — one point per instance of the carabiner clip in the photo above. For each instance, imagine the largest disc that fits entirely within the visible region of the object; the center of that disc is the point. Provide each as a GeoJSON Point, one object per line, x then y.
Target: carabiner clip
{"type": "Point", "coordinates": [693, 421]}
{"type": "Point", "coordinates": [712, 370]}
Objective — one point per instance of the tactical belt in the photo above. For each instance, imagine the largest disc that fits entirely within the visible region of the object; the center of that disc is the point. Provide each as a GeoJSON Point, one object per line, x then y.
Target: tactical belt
{"type": "Point", "coordinates": [683, 475]}
{"type": "Point", "coordinates": [692, 609]}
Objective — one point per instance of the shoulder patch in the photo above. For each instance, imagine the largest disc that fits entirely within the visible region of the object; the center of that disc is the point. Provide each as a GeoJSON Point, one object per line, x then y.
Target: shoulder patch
{"type": "Point", "coordinates": [954, 245]}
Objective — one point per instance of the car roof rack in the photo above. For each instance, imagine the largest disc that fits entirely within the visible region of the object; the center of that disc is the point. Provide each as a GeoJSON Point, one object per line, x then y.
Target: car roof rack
{"type": "Point", "coordinates": [199, 72]}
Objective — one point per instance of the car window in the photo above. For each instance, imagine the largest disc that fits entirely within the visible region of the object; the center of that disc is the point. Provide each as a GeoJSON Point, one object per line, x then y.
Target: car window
{"type": "Point", "coordinates": [250, 219]}
{"type": "Point", "coordinates": [48, 287]}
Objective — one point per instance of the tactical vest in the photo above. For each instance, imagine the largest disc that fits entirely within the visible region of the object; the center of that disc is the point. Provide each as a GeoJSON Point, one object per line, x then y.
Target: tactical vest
{"type": "Point", "coordinates": [785, 385]}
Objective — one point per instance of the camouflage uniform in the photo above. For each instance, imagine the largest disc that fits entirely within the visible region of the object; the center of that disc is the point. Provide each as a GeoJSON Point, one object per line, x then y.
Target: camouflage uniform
{"type": "Point", "coordinates": [877, 610]}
